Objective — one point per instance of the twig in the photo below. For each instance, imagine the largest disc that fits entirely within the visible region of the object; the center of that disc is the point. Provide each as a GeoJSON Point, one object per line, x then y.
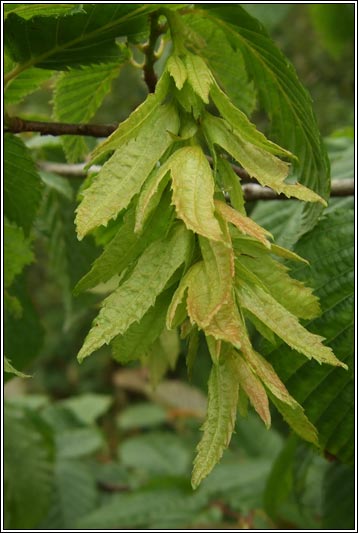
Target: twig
{"type": "Point", "coordinates": [150, 76]}
{"type": "Point", "coordinates": [19, 125]}
{"type": "Point", "coordinates": [252, 191]}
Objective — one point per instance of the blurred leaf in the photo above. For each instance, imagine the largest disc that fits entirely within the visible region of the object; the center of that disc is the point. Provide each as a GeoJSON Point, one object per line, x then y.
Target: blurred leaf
{"type": "Point", "coordinates": [339, 498]}
{"type": "Point", "coordinates": [17, 252]}
{"type": "Point", "coordinates": [28, 469]}
{"type": "Point", "coordinates": [141, 415]}
{"type": "Point", "coordinates": [334, 24]}
{"type": "Point", "coordinates": [79, 39]}
{"type": "Point", "coordinates": [87, 407]}
{"type": "Point", "coordinates": [23, 334]}
{"type": "Point", "coordinates": [144, 508]}
{"type": "Point", "coordinates": [73, 443]}
{"type": "Point", "coordinates": [157, 453]}
{"type": "Point", "coordinates": [22, 184]}
{"type": "Point", "coordinates": [88, 85]}
{"type": "Point", "coordinates": [74, 495]}
{"type": "Point", "coordinates": [270, 15]}
{"type": "Point", "coordinates": [11, 370]}
{"type": "Point", "coordinates": [280, 480]}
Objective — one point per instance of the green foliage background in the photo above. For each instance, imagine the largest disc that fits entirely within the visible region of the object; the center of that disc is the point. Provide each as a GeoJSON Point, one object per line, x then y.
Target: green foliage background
{"type": "Point", "coordinates": [94, 446]}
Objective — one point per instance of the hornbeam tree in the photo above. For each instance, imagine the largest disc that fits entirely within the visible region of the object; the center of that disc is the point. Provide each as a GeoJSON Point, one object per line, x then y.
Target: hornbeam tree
{"type": "Point", "coordinates": [165, 196]}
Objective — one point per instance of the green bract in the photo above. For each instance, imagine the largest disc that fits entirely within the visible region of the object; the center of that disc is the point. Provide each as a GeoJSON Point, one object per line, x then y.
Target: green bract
{"type": "Point", "coordinates": [182, 256]}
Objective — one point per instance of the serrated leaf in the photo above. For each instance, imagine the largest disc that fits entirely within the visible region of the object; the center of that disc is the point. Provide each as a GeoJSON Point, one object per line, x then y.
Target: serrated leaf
{"type": "Point", "coordinates": [199, 76]}
{"type": "Point", "coordinates": [83, 38]}
{"type": "Point", "coordinates": [17, 252]}
{"type": "Point", "coordinates": [123, 175]}
{"type": "Point", "coordinates": [245, 224]}
{"type": "Point", "coordinates": [129, 128]}
{"type": "Point", "coordinates": [225, 63]}
{"type": "Point", "coordinates": [213, 284]}
{"type": "Point", "coordinates": [220, 421]}
{"type": "Point", "coordinates": [242, 126]}
{"type": "Point", "coordinates": [25, 83]}
{"type": "Point", "coordinates": [283, 97]}
{"type": "Point", "coordinates": [286, 254]}
{"type": "Point", "coordinates": [193, 192]}
{"type": "Point", "coordinates": [254, 389]}
{"type": "Point", "coordinates": [22, 184]}
{"type": "Point", "coordinates": [177, 70]}
{"type": "Point", "coordinates": [132, 299]}
{"type": "Point", "coordinates": [150, 195]}
{"type": "Point", "coordinates": [136, 341]}
{"type": "Point", "coordinates": [89, 86]}
{"type": "Point", "coordinates": [292, 411]}
{"type": "Point", "coordinates": [258, 162]}
{"type": "Point", "coordinates": [162, 356]}
{"type": "Point", "coordinates": [285, 325]}
{"type": "Point", "coordinates": [290, 293]}
{"type": "Point", "coordinates": [126, 246]}
{"type": "Point", "coordinates": [326, 393]}
{"type": "Point", "coordinates": [177, 309]}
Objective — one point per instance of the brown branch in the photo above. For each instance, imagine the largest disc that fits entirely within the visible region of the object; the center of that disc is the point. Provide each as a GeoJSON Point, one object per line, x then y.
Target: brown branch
{"type": "Point", "coordinates": [150, 76]}
{"type": "Point", "coordinates": [252, 191]}
{"type": "Point", "coordinates": [19, 125]}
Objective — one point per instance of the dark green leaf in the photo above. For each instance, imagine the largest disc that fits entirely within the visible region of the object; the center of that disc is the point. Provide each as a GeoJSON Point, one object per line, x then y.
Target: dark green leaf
{"type": "Point", "coordinates": [326, 393]}
{"type": "Point", "coordinates": [284, 99]}
{"type": "Point", "coordinates": [22, 184]}
{"type": "Point", "coordinates": [80, 39]}
{"type": "Point", "coordinates": [339, 501]}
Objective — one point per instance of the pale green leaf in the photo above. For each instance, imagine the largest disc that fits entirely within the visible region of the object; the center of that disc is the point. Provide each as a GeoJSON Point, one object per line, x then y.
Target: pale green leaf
{"type": "Point", "coordinates": [177, 312]}
{"type": "Point", "coordinates": [129, 128]}
{"type": "Point", "coordinates": [286, 254]}
{"type": "Point", "coordinates": [220, 420]}
{"type": "Point", "coordinates": [126, 246]}
{"type": "Point", "coordinates": [225, 324]}
{"type": "Point", "coordinates": [245, 224]}
{"type": "Point", "coordinates": [89, 86]}
{"type": "Point", "coordinates": [141, 415]}
{"type": "Point", "coordinates": [132, 299]}
{"type": "Point", "coordinates": [242, 126]}
{"type": "Point", "coordinates": [123, 175]}
{"type": "Point", "coordinates": [193, 192]}
{"type": "Point", "coordinates": [199, 76]}
{"type": "Point", "coordinates": [254, 389]}
{"type": "Point", "coordinates": [88, 407]}
{"type": "Point", "coordinates": [22, 184]}
{"type": "Point", "coordinates": [292, 411]}
{"type": "Point", "coordinates": [218, 272]}
{"type": "Point", "coordinates": [17, 252]}
{"type": "Point", "coordinates": [26, 83]}
{"type": "Point", "coordinates": [285, 325]}
{"type": "Point", "coordinates": [177, 70]}
{"type": "Point", "coordinates": [290, 293]}
{"type": "Point", "coordinates": [11, 370]}
{"type": "Point", "coordinates": [226, 64]}
{"type": "Point", "coordinates": [150, 195]}
{"type": "Point", "coordinates": [136, 341]}
{"type": "Point", "coordinates": [257, 161]}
